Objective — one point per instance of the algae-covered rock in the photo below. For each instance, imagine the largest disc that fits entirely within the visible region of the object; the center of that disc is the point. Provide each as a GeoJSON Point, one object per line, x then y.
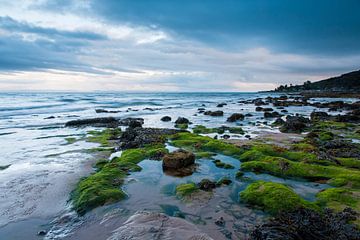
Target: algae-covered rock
{"type": "Point", "coordinates": [235, 117]}
{"type": "Point", "coordinates": [178, 159]}
{"type": "Point", "coordinates": [186, 189]}
{"type": "Point", "coordinates": [273, 197]}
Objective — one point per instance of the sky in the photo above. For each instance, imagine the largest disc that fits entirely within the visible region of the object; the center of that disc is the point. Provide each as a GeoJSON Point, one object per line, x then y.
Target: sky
{"type": "Point", "coordinates": [175, 45]}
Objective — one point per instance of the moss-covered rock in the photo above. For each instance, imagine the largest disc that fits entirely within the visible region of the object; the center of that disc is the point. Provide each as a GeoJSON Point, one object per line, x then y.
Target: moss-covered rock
{"type": "Point", "coordinates": [273, 197]}
{"type": "Point", "coordinates": [186, 189]}
{"type": "Point", "coordinates": [339, 198]}
{"type": "Point", "coordinates": [199, 143]}
{"type": "Point", "coordinates": [103, 137]}
{"type": "Point", "coordinates": [278, 166]}
{"type": "Point", "coordinates": [182, 126]}
{"type": "Point", "coordinates": [200, 129]}
{"type": "Point", "coordinates": [103, 187]}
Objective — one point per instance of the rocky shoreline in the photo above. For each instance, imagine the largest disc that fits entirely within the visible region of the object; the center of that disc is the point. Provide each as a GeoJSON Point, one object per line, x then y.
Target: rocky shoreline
{"type": "Point", "coordinates": [326, 153]}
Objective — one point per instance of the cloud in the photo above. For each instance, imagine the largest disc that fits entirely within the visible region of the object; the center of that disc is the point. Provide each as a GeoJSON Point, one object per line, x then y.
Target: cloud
{"type": "Point", "coordinates": [174, 45]}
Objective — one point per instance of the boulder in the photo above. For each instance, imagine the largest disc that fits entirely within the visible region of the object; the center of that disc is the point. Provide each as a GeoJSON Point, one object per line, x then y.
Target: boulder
{"type": "Point", "coordinates": [178, 159]}
{"type": "Point", "coordinates": [206, 185]}
{"type": "Point", "coordinates": [182, 120]}
{"type": "Point", "coordinates": [235, 117]}
{"type": "Point", "coordinates": [295, 124]}
{"type": "Point", "coordinates": [166, 119]}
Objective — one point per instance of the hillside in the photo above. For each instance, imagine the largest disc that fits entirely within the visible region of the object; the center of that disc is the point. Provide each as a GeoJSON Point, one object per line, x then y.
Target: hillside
{"type": "Point", "coordinates": [349, 82]}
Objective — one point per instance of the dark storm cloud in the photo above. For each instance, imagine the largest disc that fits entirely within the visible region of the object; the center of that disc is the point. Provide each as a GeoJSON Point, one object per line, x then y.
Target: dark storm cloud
{"type": "Point", "coordinates": [307, 26]}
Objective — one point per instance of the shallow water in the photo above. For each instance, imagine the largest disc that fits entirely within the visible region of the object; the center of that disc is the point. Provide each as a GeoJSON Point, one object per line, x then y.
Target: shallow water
{"type": "Point", "coordinates": [44, 168]}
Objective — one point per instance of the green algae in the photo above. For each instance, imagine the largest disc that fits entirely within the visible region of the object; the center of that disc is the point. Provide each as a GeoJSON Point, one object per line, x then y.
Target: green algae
{"type": "Point", "coordinates": [182, 126]}
{"type": "Point", "coordinates": [185, 189]}
{"type": "Point", "coordinates": [349, 162]}
{"type": "Point", "coordinates": [70, 140]}
{"type": "Point", "coordinates": [200, 129]}
{"type": "Point", "coordinates": [218, 163]}
{"type": "Point", "coordinates": [273, 197]}
{"type": "Point", "coordinates": [236, 130]}
{"type": "Point", "coordinates": [104, 137]}
{"type": "Point", "coordinates": [103, 187]}
{"type": "Point", "coordinates": [204, 154]}
{"type": "Point", "coordinates": [282, 167]}
{"type": "Point", "coordinates": [339, 198]}
{"type": "Point", "coordinates": [199, 143]}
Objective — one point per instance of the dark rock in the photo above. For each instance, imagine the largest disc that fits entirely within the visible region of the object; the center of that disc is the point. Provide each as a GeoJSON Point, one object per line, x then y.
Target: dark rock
{"type": "Point", "coordinates": [271, 114]}
{"type": "Point", "coordinates": [214, 113]}
{"type": "Point", "coordinates": [267, 109]}
{"type": "Point", "coordinates": [248, 115]}
{"type": "Point", "coordinates": [235, 117]}
{"type": "Point", "coordinates": [259, 102]}
{"type": "Point", "coordinates": [108, 122]}
{"type": "Point", "coordinates": [178, 159]}
{"type": "Point", "coordinates": [319, 116]}
{"type": "Point", "coordinates": [105, 111]}
{"type": "Point", "coordinates": [182, 120]}
{"type": "Point", "coordinates": [278, 122]}
{"type": "Point", "coordinates": [139, 137]}
{"type": "Point", "coordinates": [306, 224]}
{"type": "Point", "coordinates": [51, 117]}
{"type": "Point", "coordinates": [295, 124]}
{"type": "Point", "coordinates": [206, 185]}
{"type": "Point", "coordinates": [128, 121]}
{"type": "Point", "coordinates": [42, 233]}
{"type": "Point", "coordinates": [226, 136]}
{"type": "Point", "coordinates": [166, 119]}
{"type": "Point", "coordinates": [221, 104]}
{"type": "Point", "coordinates": [259, 109]}
{"type": "Point", "coordinates": [220, 222]}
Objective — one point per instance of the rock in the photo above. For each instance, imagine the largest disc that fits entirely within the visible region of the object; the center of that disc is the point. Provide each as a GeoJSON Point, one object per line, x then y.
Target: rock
{"type": "Point", "coordinates": [42, 233]}
{"type": "Point", "coordinates": [248, 115]}
{"type": "Point", "coordinates": [166, 119]}
{"type": "Point", "coordinates": [267, 109]}
{"type": "Point", "coordinates": [271, 114]}
{"type": "Point", "coordinates": [135, 123]}
{"type": "Point", "coordinates": [319, 116]}
{"type": "Point", "coordinates": [100, 110]}
{"type": "Point", "coordinates": [225, 136]}
{"type": "Point", "coordinates": [295, 124]}
{"type": "Point", "coordinates": [220, 222]}
{"type": "Point", "coordinates": [221, 104]}
{"type": "Point", "coordinates": [308, 224]}
{"type": "Point", "coordinates": [235, 117]}
{"type": "Point", "coordinates": [129, 121]}
{"type": "Point", "coordinates": [258, 109]}
{"type": "Point", "coordinates": [224, 181]}
{"type": "Point", "coordinates": [139, 137]}
{"type": "Point", "coordinates": [206, 185]}
{"type": "Point", "coordinates": [178, 159]}
{"type": "Point", "coordinates": [259, 102]}
{"type": "Point", "coordinates": [214, 113]}
{"type": "Point", "coordinates": [278, 122]}
{"type": "Point", "coordinates": [50, 117]}
{"type": "Point", "coordinates": [182, 120]}
{"type": "Point", "coordinates": [147, 226]}
{"type": "Point", "coordinates": [108, 122]}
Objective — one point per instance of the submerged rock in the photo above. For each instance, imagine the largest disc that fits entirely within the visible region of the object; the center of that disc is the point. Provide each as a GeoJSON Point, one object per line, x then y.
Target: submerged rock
{"type": "Point", "coordinates": [178, 159]}
{"type": "Point", "coordinates": [147, 226]}
{"type": "Point", "coordinates": [309, 224]}
{"type": "Point", "coordinates": [108, 122]}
